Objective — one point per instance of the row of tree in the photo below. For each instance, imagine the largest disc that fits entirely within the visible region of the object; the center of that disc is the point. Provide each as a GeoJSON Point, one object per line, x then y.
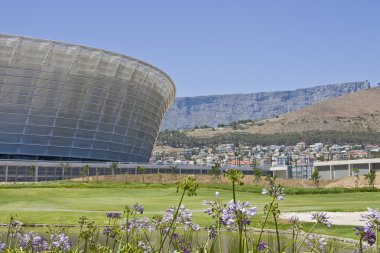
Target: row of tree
{"type": "Point", "coordinates": [180, 139]}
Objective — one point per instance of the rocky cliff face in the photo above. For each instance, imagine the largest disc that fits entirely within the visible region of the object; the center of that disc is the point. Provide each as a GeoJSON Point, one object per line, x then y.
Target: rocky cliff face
{"type": "Point", "coordinates": [186, 112]}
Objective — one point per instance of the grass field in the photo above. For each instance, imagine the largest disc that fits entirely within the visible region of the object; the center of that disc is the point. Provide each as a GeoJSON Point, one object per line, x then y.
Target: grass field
{"type": "Point", "coordinates": [63, 203]}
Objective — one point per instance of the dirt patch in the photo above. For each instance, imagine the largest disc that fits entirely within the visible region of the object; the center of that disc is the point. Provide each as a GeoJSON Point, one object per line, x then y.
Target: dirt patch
{"type": "Point", "coordinates": [336, 218]}
{"type": "Point", "coordinates": [349, 182]}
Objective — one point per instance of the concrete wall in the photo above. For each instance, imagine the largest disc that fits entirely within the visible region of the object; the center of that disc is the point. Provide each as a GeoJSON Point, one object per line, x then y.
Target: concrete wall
{"type": "Point", "coordinates": [324, 172]}
{"type": "Point", "coordinates": [340, 171]}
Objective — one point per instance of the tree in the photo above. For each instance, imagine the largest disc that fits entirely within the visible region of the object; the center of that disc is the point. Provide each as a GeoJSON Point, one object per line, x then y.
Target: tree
{"type": "Point", "coordinates": [257, 174]}
{"type": "Point", "coordinates": [141, 170]}
{"type": "Point", "coordinates": [371, 177]}
{"type": "Point", "coordinates": [113, 167]}
{"type": "Point", "coordinates": [215, 170]}
{"type": "Point", "coordinates": [65, 169]}
{"type": "Point", "coordinates": [174, 171]}
{"type": "Point", "coordinates": [84, 172]}
{"type": "Point", "coordinates": [33, 171]}
{"type": "Point", "coordinates": [356, 174]}
{"type": "Point", "coordinates": [160, 176]}
{"type": "Point", "coordinates": [315, 176]}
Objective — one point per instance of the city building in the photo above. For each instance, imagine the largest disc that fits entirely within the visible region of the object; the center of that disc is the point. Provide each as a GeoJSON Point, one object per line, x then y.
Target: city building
{"type": "Point", "coordinates": [60, 101]}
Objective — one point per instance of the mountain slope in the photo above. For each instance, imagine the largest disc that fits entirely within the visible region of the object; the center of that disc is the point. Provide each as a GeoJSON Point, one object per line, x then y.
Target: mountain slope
{"type": "Point", "coordinates": [359, 112]}
{"type": "Point", "coordinates": [188, 112]}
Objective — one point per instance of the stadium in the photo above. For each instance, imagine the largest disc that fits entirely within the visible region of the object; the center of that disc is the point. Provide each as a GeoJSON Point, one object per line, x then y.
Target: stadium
{"type": "Point", "coordinates": [66, 102]}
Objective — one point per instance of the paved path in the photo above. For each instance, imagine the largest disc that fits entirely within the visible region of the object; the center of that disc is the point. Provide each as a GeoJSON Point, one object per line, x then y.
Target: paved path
{"type": "Point", "coordinates": [337, 218]}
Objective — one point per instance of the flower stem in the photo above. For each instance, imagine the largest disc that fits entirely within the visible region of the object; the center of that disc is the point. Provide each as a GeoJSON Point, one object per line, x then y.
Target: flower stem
{"type": "Point", "coordinates": [293, 240]}
{"type": "Point", "coordinates": [377, 238]}
{"type": "Point", "coordinates": [171, 224]}
{"type": "Point", "coordinates": [303, 241]}
{"type": "Point", "coordinates": [277, 234]}
{"type": "Point", "coordinates": [219, 235]}
{"type": "Point", "coordinates": [263, 225]}
{"type": "Point", "coordinates": [233, 191]}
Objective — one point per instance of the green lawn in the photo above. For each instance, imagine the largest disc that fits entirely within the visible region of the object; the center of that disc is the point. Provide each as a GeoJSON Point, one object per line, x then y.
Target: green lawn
{"type": "Point", "coordinates": [57, 203]}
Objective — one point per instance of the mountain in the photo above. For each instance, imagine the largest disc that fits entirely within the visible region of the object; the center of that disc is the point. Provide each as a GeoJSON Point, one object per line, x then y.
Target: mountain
{"type": "Point", "coordinates": [358, 112]}
{"type": "Point", "coordinates": [187, 112]}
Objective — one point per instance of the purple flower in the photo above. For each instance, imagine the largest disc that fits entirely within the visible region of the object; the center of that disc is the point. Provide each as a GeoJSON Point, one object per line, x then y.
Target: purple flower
{"type": "Point", "coordinates": [275, 191]}
{"type": "Point", "coordinates": [321, 217]}
{"type": "Point", "coordinates": [109, 232]}
{"type": "Point", "coordinates": [34, 241]}
{"type": "Point", "coordinates": [145, 247]}
{"type": "Point", "coordinates": [195, 227]}
{"type": "Point", "coordinates": [183, 245]}
{"type": "Point", "coordinates": [184, 216]}
{"type": "Point", "coordinates": [113, 215]}
{"type": "Point", "coordinates": [237, 212]}
{"type": "Point", "coordinates": [373, 218]}
{"type": "Point", "coordinates": [367, 234]}
{"type": "Point", "coordinates": [214, 208]}
{"type": "Point", "coordinates": [262, 246]}
{"type": "Point", "coordinates": [294, 219]}
{"type": "Point", "coordinates": [138, 208]}
{"type": "Point", "coordinates": [2, 246]}
{"type": "Point", "coordinates": [212, 232]}
{"type": "Point", "coordinates": [61, 242]}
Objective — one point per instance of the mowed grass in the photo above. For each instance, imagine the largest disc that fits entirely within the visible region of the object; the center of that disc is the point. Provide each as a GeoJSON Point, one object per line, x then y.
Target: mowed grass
{"type": "Point", "coordinates": [55, 203]}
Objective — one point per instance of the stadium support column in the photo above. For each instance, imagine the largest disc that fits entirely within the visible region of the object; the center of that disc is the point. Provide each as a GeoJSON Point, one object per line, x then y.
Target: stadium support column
{"type": "Point", "coordinates": [36, 174]}
{"type": "Point", "coordinates": [349, 170]}
{"type": "Point", "coordinates": [6, 173]}
{"type": "Point", "coordinates": [331, 172]}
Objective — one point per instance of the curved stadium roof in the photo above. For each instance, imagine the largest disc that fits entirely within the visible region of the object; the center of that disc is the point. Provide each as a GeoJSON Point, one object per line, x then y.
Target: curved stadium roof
{"type": "Point", "coordinates": [72, 102]}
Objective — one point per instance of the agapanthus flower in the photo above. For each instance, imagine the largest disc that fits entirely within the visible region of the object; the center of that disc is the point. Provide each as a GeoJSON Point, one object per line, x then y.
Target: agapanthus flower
{"type": "Point", "coordinates": [367, 234]}
{"type": "Point", "coordinates": [139, 224]}
{"type": "Point", "coordinates": [145, 247]}
{"type": "Point", "coordinates": [34, 241]}
{"type": "Point", "coordinates": [214, 209]}
{"type": "Point", "coordinates": [2, 246]}
{"type": "Point", "coordinates": [60, 242]}
{"type": "Point", "coordinates": [372, 218]}
{"type": "Point", "coordinates": [184, 216]}
{"type": "Point", "coordinates": [294, 219]}
{"type": "Point", "coordinates": [264, 191]}
{"type": "Point", "coordinates": [237, 212]}
{"type": "Point", "coordinates": [113, 215]}
{"type": "Point", "coordinates": [182, 244]}
{"type": "Point", "coordinates": [195, 227]}
{"type": "Point", "coordinates": [310, 240]}
{"type": "Point", "coordinates": [274, 190]}
{"type": "Point", "coordinates": [138, 208]}
{"type": "Point", "coordinates": [109, 232]}
{"type": "Point", "coordinates": [217, 194]}
{"type": "Point", "coordinates": [212, 232]}
{"type": "Point", "coordinates": [322, 243]}
{"type": "Point", "coordinates": [321, 217]}
{"type": "Point", "coordinates": [262, 246]}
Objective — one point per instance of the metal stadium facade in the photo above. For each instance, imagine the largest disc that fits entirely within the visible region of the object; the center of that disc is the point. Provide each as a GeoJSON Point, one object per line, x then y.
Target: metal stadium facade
{"type": "Point", "coordinates": [60, 101]}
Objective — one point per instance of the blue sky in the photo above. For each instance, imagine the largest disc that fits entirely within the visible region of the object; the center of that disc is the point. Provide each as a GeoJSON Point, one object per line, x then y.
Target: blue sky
{"type": "Point", "coordinates": [216, 46]}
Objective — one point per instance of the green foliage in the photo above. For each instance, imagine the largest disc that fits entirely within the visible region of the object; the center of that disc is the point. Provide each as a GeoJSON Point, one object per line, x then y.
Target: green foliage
{"type": "Point", "coordinates": [84, 171]}
{"type": "Point", "coordinates": [371, 177]}
{"type": "Point", "coordinates": [257, 173]}
{"type": "Point", "coordinates": [32, 170]}
{"type": "Point", "coordinates": [315, 176]}
{"type": "Point", "coordinates": [65, 169]}
{"type": "Point", "coordinates": [141, 170]}
{"type": "Point", "coordinates": [355, 171]}
{"type": "Point", "coordinates": [215, 170]}
{"type": "Point", "coordinates": [180, 139]}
